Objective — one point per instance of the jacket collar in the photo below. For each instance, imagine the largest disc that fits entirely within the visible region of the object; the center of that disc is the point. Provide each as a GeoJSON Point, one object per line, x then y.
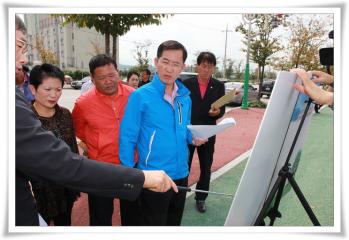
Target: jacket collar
{"type": "Point", "coordinates": [160, 86]}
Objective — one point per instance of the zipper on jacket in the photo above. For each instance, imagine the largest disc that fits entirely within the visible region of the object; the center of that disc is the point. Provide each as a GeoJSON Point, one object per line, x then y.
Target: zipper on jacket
{"type": "Point", "coordinates": [149, 147]}
{"type": "Point", "coordinates": [179, 112]}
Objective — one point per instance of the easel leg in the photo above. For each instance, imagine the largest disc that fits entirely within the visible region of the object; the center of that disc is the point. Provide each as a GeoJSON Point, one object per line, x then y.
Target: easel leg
{"type": "Point", "coordinates": [303, 201]}
{"type": "Point", "coordinates": [267, 203]}
{"type": "Point", "coordinates": [274, 212]}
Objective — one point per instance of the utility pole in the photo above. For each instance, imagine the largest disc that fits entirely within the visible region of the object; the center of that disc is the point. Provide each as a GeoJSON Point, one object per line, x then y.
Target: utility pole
{"type": "Point", "coordinates": [225, 50]}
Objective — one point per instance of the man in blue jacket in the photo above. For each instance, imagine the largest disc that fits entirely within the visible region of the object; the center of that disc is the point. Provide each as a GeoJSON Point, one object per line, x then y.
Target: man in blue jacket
{"type": "Point", "coordinates": [155, 124]}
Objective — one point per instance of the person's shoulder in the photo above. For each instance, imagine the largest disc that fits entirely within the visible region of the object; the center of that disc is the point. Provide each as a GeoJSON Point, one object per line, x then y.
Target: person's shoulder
{"type": "Point", "coordinates": [146, 87]}
{"type": "Point", "coordinates": [86, 96]}
{"type": "Point", "coordinates": [216, 81]}
{"type": "Point", "coordinates": [64, 110]}
{"type": "Point", "coordinates": [20, 99]}
{"type": "Point", "coordinates": [145, 92]}
{"type": "Point", "coordinates": [190, 80]}
{"type": "Point", "coordinates": [127, 89]}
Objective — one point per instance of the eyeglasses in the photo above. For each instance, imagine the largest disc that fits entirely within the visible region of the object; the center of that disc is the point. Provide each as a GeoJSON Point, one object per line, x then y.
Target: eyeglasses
{"type": "Point", "coordinates": [23, 45]}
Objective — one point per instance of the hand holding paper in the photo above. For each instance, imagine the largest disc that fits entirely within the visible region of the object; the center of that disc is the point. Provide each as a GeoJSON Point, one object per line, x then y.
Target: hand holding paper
{"type": "Point", "coordinates": [206, 131]}
{"type": "Point", "coordinates": [214, 111]}
{"type": "Point", "coordinates": [198, 141]}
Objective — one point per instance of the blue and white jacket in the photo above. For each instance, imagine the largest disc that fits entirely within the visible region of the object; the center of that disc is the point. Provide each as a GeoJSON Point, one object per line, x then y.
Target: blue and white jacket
{"type": "Point", "coordinates": [157, 130]}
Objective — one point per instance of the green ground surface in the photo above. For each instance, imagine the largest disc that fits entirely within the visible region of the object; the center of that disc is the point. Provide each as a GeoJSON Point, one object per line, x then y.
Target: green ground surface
{"type": "Point", "coordinates": [314, 176]}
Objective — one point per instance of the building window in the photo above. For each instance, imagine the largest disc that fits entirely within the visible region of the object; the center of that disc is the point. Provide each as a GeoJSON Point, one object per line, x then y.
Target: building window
{"type": "Point", "coordinates": [62, 53]}
{"type": "Point", "coordinates": [72, 36]}
{"type": "Point", "coordinates": [73, 48]}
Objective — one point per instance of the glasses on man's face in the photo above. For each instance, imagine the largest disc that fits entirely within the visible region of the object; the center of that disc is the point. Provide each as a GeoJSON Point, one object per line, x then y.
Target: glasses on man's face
{"type": "Point", "coordinates": [22, 45]}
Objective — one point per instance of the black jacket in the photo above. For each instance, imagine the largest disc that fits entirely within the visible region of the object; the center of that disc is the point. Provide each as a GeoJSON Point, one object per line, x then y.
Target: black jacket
{"type": "Point", "coordinates": [40, 155]}
{"type": "Point", "coordinates": [201, 106]}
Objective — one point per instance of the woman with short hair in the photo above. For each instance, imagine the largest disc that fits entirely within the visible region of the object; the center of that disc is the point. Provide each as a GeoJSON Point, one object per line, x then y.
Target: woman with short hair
{"type": "Point", "coordinates": [54, 202]}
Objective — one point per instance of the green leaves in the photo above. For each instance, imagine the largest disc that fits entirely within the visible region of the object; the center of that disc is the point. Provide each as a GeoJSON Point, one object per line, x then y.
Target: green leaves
{"type": "Point", "coordinates": [110, 24]}
{"type": "Point", "coordinates": [114, 24]}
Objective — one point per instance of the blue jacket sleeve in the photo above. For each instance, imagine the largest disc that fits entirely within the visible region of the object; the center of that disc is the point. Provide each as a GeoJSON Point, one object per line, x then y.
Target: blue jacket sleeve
{"type": "Point", "coordinates": [129, 130]}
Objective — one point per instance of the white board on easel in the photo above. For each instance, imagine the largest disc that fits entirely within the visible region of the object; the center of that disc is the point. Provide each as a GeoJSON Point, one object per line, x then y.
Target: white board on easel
{"type": "Point", "coordinates": [271, 147]}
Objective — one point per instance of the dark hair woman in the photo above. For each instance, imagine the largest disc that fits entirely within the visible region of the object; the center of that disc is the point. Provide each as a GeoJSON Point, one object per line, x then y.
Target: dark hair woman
{"type": "Point", "coordinates": [54, 202]}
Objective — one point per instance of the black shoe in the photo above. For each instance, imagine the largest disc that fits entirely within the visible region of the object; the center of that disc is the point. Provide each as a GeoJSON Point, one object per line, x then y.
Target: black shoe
{"type": "Point", "coordinates": [200, 206]}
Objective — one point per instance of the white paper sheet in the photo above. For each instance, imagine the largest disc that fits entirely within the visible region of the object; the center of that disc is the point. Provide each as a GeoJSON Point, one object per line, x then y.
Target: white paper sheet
{"type": "Point", "coordinates": [206, 131]}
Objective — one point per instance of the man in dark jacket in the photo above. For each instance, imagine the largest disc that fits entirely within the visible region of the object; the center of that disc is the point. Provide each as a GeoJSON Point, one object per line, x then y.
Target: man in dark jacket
{"type": "Point", "coordinates": [40, 155]}
{"type": "Point", "coordinates": [204, 91]}
{"type": "Point", "coordinates": [145, 77]}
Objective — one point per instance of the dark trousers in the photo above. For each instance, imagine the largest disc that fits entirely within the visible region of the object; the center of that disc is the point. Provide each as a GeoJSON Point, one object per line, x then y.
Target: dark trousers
{"type": "Point", "coordinates": [130, 213]}
{"type": "Point", "coordinates": [63, 218]}
{"type": "Point", "coordinates": [160, 209]}
{"type": "Point", "coordinates": [100, 210]}
{"type": "Point", "coordinates": [205, 153]}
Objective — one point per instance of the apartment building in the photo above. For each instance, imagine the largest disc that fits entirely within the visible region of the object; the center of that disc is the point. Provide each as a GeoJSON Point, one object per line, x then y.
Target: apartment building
{"type": "Point", "coordinates": [73, 46]}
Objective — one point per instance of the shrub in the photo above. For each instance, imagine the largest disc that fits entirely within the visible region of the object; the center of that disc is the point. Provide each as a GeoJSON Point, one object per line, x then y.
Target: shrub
{"type": "Point", "coordinates": [257, 104]}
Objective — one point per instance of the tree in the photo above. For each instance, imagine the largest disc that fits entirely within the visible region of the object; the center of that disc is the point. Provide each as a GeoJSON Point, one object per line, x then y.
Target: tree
{"type": "Point", "coordinates": [302, 48]}
{"type": "Point", "coordinates": [46, 55]}
{"type": "Point", "coordinates": [141, 54]}
{"type": "Point", "coordinates": [263, 44]}
{"type": "Point", "coordinates": [239, 71]}
{"type": "Point", "coordinates": [111, 24]}
{"type": "Point", "coordinates": [229, 71]}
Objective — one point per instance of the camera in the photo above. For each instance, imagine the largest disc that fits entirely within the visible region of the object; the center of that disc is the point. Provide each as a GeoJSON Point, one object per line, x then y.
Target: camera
{"type": "Point", "coordinates": [326, 54]}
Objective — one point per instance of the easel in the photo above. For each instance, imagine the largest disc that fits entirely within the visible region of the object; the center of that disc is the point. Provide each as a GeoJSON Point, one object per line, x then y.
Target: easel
{"type": "Point", "coordinates": [286, 173]}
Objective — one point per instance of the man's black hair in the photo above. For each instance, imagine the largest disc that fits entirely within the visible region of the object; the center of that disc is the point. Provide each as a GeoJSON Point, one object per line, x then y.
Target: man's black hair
{"type": "Point", "coordinates": [41, 72]}
{"type": "Point", "coordinates": [172, 45]}
{"type": "Point", "coordinates": [208, 57]}
{"type": "Point", "coordinates": [148, 72]}
{"type": "Point", "coordinates": [101, 60]}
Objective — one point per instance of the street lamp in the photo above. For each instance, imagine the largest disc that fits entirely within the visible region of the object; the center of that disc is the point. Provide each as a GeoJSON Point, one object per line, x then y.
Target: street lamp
{"type": "Point", "coordinates": [249, 19]}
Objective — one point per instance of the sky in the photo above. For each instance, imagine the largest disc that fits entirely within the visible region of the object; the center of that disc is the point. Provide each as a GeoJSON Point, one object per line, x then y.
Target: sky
{"type": "Point", "coordinates": [197, 32]}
